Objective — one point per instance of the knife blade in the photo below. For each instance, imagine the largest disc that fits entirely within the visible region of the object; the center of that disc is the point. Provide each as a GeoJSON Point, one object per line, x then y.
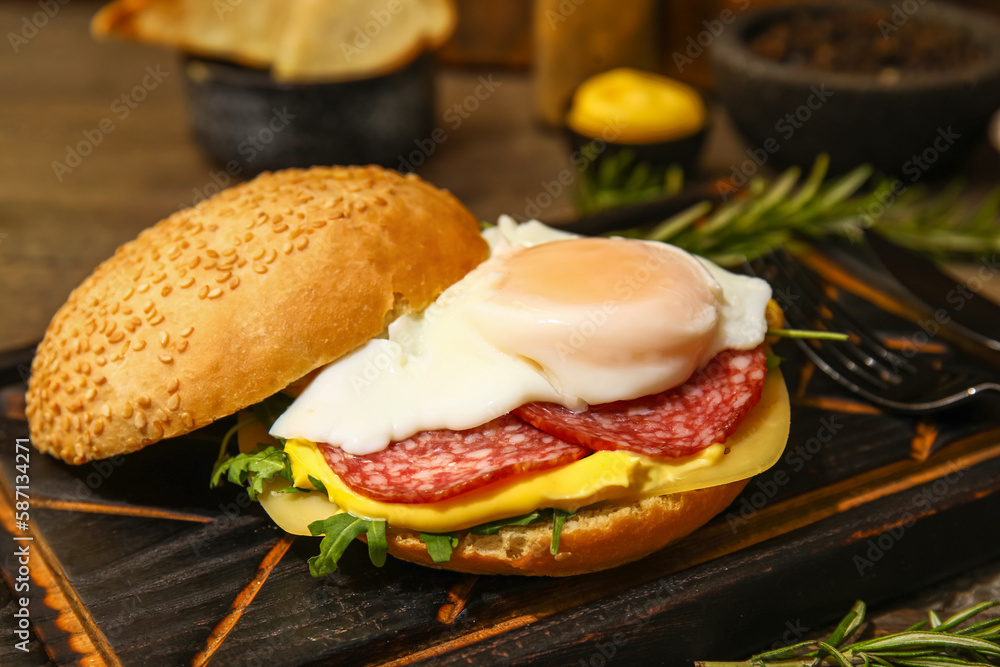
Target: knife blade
{"type": "Point", "coordinates": [971, 314]}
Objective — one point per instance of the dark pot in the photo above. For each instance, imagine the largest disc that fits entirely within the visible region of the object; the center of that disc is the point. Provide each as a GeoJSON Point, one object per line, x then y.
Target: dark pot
{"type": "Point", "coordinates": [243, 116]}
{"type": "Point", "coordinates": [921, 125]}
{"type": "Point", "coordinates": [682, 151]}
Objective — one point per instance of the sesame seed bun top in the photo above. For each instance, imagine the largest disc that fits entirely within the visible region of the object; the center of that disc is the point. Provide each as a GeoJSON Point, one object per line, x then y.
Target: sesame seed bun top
{"type": "Point", "coordinates": [223, 304]}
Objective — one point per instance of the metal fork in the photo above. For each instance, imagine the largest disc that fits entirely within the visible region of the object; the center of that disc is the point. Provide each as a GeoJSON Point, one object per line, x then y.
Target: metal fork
{"type": "Point", "coordinates": [896, 380]}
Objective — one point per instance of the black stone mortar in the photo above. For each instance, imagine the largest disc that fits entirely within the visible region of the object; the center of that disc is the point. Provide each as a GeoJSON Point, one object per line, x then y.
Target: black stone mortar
{"type": "Point", "coordinates": [921, 125]}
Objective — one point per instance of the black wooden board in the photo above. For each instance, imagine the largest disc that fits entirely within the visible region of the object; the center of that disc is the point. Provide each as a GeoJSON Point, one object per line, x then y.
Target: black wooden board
{"type": "Point", "coordinates": [155, 568]}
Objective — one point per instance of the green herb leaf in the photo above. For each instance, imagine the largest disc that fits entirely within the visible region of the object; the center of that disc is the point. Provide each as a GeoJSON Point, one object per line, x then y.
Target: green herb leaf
{"type": "Point", "coordinates": [849, 625]}
{"type": "Point", "coordinates": [339, 531]}
{"type": "Point", "coordinates": [558, 520]}
{"type": "Point", "coordinates": [773, 361]}
{"type": "Point", "coordinates": [838, 656]}
{"type": "Point", "coordinates": [911, 648]}
{"type": "Point", "coordinates": [805, 333]}
{"type": "Point", "coordinates": [769, 214]}
{"type": "Point", "coordinates": [439, 545]}
{"type": "Point", "coordinates": [378, 545]}
{"type": "Point", "coordinates": [224, 447]}
{"type": "Point", "coordinates": [493, 527]}
{"type": "Point", "coordinates": [318, 485]}
{"type": "Point", "coordinates": [963, 616]}
{"type": "Point", "coordinates": [251, 470]}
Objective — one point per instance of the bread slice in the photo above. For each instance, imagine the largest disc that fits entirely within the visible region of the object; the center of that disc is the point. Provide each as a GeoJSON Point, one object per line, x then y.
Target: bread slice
{"type": "Point", "coordinates": [299, 40]}
{"type": "Point", "coordinates": [221, 305]}
{"type": "Point", "coordinates": [595, 538]}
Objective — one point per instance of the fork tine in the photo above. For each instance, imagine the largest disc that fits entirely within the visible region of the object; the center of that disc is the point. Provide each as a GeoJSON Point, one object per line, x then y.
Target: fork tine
{"type": "Point", "coordinates": [849, 359]}
{"type": "Point", "coordinates": [917, 388]}
{"type": "Point", "coordinates": [870, 350]}
{"type": "Point", "coordinates": [806, 313]}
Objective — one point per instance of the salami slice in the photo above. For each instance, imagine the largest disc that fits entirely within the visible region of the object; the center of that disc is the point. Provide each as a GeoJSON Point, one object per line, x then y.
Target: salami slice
{"type": "Point", "coordinates": [678, 422]}
{"type": "Point", "coordinates": [436, 465]}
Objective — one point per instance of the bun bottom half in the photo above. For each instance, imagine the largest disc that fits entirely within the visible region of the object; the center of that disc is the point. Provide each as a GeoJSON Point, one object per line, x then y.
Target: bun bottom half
{"type": "Point", "coordinates": [597, 538]}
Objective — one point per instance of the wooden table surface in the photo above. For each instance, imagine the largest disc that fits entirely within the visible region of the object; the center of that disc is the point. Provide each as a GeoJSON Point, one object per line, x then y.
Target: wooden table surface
{"type": "Point", "coordinates": [56, 225]}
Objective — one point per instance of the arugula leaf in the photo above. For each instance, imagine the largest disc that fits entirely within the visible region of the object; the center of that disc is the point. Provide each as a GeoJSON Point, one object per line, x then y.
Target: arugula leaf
{"type": "Point", "coordinates": [558, 519]}
{"type": "Point", "coordinates": [251, 470]}
{"type": "Point", "coordinates": [339, 531]}
{"type": "Point", "coordinates": [493, 527]}
{"type": "Point", "coordinates": [268, 410]}
{"type": "Point", "coordinates": [378, 545]}
{"type": "Point", "coordinates": [439, 545]}
{"type": "Point", "coordinates": [773, 361]}
{"type": "Point", "coordinates": [318, 485]}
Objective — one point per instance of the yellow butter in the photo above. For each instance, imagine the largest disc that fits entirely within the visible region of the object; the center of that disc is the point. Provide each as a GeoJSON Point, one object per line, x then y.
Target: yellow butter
{"type": "Point", "coordinates": [755, 447]}
{"type": "Point", "coordinates": [633, 107]}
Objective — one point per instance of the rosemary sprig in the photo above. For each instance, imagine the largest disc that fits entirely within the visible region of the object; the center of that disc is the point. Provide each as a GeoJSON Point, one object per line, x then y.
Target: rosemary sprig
{"type": "Point", "coordinates": [618, 180]}
{"type": "Point", "coordinates": [935, 643]}
{"type": "Point", "coordinates": [768, 214]}
{"type": "Point", "coordinates": [807, 334]}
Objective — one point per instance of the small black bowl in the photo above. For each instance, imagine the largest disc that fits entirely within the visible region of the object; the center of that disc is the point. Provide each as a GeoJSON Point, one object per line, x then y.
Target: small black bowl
{"type": "Point", "coordinates": [682, 151]}
{"type": "Point", "coordinates": [921, 125]}
{"type": "Point", "coordinates": [246, 120]}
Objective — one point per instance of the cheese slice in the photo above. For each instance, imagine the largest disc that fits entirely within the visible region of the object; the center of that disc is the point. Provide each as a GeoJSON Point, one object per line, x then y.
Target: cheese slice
{"type": "Point", "coordinates": [756, 445]}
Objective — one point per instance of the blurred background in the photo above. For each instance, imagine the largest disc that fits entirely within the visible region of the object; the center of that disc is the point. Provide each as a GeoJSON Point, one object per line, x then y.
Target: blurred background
{"type": "Point", "coordinates": [107, 128]}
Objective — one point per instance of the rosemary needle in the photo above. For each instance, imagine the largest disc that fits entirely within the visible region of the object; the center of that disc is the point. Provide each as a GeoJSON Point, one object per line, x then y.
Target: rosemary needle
{"type": "Point", "coordinates": [805, 333]}
{"type": "Point", "coordinates": [771, 213]}
{"type": "Point", "coordinates": [935, 643]}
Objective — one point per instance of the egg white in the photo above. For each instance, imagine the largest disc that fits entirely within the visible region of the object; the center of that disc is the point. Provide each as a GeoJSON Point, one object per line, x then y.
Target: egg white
{"type": "Point", "coordinates": [489, 345]}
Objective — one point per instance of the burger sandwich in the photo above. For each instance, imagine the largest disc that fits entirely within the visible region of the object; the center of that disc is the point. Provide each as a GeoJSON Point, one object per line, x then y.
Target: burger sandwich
{"type": "Point", "coordinates": [515, 400]}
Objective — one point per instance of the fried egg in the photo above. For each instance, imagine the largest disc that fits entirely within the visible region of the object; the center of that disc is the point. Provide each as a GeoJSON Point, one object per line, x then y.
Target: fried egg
{"type": "Point", "coordinates": [550, 316]}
